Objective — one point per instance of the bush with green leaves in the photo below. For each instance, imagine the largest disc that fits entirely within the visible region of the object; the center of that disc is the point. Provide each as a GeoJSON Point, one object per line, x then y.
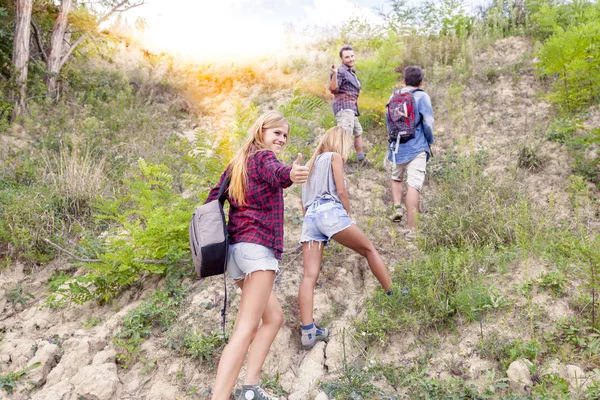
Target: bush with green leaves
{"type": "Point", "coordinates": [570, 55]}
{"type": "Point", "coordinates": [204, 347]}
{"type": "Point", "coordinates": [28, 215]}
{"type": "Point", "coordinates": [149, 233]}
{"type": "Point", "coordinates": [562, 129]}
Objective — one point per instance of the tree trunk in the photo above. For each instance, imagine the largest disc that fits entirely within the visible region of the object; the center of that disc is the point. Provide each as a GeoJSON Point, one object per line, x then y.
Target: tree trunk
{"type": "Point", "coordinates": [56, 47]}
{"type": "Point", "coordinates": [21, 54]}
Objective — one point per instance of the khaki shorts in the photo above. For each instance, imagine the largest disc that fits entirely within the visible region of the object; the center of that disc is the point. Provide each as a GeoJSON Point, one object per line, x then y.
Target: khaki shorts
{"type": "Point", "coordinates": [414, 169]}
{"type": "Point", "coordinates": [347, 120]}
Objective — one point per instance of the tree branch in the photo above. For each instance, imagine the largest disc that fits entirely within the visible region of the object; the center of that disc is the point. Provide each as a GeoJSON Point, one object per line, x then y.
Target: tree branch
{"type": "Point", "coordinates": [183, 261]}
{"type": "Point", "coordinates": [84, 35]}
{"type": "Point", "coordinates": [80, 39]}
{"type": "Point", "coordinates": [38, 39]}
{"type": "Point", "coordinates": [85, 260]}
{"type": "Point", "coordinates": [96, 260]}
{"type": "Point", "coordinates": [117, 8]}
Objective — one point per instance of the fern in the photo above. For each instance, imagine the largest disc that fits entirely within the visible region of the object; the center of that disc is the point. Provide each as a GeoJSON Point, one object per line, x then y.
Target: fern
{"type": "Point", "coordinates": [151, 223]}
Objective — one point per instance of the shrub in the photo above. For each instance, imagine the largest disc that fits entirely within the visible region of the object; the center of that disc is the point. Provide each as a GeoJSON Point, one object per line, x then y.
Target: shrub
{"type": "Point", "coordinates": [78, 177]}
{"type": "Point", "coordinates": [528, 158]}
{"type": "Point", "coordinates": [149, 234]}
{"type": "Point", "coordinates": [28, 215]}
{"type": "Point", "coordinates": [203, 347]}
{"type": "Point", "coordinates": [441, 285]}
{"type": "Point", "coordinates": [555, 281]}
{"type": "Point", "coordinates": [471, 209]}
{"type": "Point", "coordinates": [562, 129]}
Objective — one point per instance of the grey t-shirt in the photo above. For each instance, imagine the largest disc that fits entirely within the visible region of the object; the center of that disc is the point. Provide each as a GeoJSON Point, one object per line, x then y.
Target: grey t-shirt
{"type": "Point", "coordinates": [321, 184]}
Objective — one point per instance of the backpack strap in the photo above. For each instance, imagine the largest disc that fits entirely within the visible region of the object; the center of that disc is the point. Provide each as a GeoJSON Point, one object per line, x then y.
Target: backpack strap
{"type": "Point", "coordinates": [223, 189]}
{"type": "Point", "coordinates": [224, 309]}
{"type": "Point", "coordinates": [222, 197]}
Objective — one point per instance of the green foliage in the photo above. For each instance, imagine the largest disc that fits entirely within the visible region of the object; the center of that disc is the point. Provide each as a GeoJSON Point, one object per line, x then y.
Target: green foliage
{"type": "Point", "coordinates": [446, 18]}
{"type": "Point", "coordinates": [551, 386]}
{"type": "Point", "coordinates": [271, 383]}
{"type": "Point", "coordinates": [505, 18]}
{"type": "Point", "coordinates": [91, 322]}
{"type": "Point", "coordinates": [528, 158]}
{"type": "Point", "coordinates": [205, 348]}
{"type": "Point", "coordinates": [571, 56]}
{"type": "Point", "coordinates": [6, 39]}
{"type": "Point", "coordinates": [548, 17]}
{"type": "Point", "coordinates": [504, 351]}
{"type": "Point", "coordinates": [562, 129]}
{"type": "Point", "coordinates": [150, 224]}
{"type": "Point", "coordinates": [354, 381]}
{"type": "Point", "coordinates": [18, 295]}
{"type": "Point", "coordinates": [159, 311]}
{"type": "Point", "coordinates": [28, 215]}
{"type": "Point", "coordinates": [471, 209]}
{"type": "Point", "coordinates": [442, 284]}
{"type": "Point", "coordinates": [8, 381]}
{"type": "Point", "coordinates": [555, 281]}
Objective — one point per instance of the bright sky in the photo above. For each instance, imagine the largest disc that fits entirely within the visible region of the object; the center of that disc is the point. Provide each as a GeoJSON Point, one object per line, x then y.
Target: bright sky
{"type": "Point", "coordinates": [239, 28]}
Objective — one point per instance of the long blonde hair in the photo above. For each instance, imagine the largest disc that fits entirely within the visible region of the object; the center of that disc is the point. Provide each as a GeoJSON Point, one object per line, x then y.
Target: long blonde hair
{"type": "Point", "coordinates": [336, 140]}
{"type": "Point", "coordinates": [254, 142]}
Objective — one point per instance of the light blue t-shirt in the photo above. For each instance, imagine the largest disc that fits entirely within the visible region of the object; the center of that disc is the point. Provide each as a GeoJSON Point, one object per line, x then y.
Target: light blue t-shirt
{"type": "Point", "coordinates": [407, 151]}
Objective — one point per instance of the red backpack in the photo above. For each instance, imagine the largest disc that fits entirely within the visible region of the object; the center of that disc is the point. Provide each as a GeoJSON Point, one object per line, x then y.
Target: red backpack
{"type": "Point", "coordinates": [401, 116]}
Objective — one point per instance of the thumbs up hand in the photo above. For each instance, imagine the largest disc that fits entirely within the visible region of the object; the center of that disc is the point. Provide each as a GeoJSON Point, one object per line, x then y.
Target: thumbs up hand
{"type": "Point", "coordinates": [299, 173]}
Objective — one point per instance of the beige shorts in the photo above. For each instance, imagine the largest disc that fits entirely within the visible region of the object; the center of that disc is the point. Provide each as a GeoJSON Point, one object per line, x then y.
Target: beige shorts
{"type": "Point", "coordinates": [414, 170]}
{"type": "Point", "coordinates": [347, 120]}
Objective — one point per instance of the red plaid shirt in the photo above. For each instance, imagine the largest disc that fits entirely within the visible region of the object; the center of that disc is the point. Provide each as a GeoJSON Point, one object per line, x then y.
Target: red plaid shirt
{"type": "Point", "coordinates": [345, 97]}
{"type": "Point", "coordinates": [261, 220]}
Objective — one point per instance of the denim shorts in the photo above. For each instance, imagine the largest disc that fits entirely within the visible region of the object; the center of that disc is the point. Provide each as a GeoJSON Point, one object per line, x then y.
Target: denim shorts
{"type": "Point", "coordinates": [246, 258]}
{"type": "Point", "coordinates": [323, 219]}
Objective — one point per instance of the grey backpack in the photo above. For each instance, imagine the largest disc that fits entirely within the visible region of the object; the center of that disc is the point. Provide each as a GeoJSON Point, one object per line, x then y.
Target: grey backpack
{"type": "Point", "coordinates": [209, 240]}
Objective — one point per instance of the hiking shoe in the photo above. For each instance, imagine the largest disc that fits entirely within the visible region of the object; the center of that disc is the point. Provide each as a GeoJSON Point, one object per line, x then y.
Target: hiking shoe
{"type": "Point", "coordinates": [255, 392]}
{"type": "Point", "coordinates": [364, 163]}
{"type": "Point", "coordinates": [397, 213]}
{"type": "Point", "coordinates": [310, 337]}
{"type": "Point", "coordinates": [402, 291]}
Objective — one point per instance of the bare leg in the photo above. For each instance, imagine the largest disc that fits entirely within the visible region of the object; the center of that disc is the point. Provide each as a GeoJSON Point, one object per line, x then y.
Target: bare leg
{"type": "Point", "coordinates": [358, 144]}
{"type": "Point", "coordinates": [412, 206]}
{"type": "Point", "coordinates": [354, 239]}
{"type": "Point", "coordinates": [397, 192]}
{"type": "Point", "coordinates": [272, 319]}
{"type": "Point", "coordinates": [312, 254]}
{"type": "Point", "coordinates": [256, 292]}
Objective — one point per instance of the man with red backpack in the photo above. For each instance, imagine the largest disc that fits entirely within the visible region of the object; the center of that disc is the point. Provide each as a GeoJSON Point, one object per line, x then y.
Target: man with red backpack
{"type": "Point", "coordinates": [409, 118]}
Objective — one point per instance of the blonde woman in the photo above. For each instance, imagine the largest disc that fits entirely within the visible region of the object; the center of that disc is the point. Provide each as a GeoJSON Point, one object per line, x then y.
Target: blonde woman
{"type": "Point", "coordinates": [326, 208]}
{"type": "Point", "coordinates": [255, 228]}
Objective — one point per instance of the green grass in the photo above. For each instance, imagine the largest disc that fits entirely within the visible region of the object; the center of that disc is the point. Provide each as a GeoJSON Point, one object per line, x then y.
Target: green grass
{"type": "Point", "coordinates": [158, 312]}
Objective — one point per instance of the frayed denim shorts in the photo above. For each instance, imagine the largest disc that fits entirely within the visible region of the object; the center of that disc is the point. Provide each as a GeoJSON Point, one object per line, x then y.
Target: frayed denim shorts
{"type": "Point", "coordinates": [246, 258]}
{"type": "Point", "coordinates": [323, 219]}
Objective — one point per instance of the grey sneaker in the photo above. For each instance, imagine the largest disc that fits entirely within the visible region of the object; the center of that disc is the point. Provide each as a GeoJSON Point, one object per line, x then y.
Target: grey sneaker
{"type": "Point", "coordinates": [255, 392]}
{"type": "Point", "coordinates": [410, 236]}
{"type": "Point", "coordinates": [397, 213]}
{"type": "Point", "coordinates": [364, 163]}
{"type": "Point", "coordinates": [310, 337]}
